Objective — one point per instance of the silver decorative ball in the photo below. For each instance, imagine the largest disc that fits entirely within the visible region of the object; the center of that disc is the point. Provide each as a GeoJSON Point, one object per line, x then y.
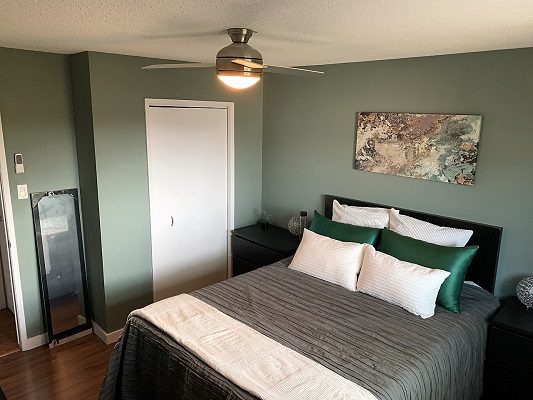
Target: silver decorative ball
{"type": "Point", "coordinates": [294, 226]}
{"type": "Point", "coordinates": [524, 291]}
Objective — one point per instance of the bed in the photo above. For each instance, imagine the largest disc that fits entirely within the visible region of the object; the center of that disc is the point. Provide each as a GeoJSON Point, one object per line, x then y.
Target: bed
{"type": "Point", "coordinates": [385, 350]}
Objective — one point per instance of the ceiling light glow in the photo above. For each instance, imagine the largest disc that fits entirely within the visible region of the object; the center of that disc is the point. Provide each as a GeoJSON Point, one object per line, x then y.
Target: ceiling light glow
{"type": "Point", "coordinates": [238, 82]}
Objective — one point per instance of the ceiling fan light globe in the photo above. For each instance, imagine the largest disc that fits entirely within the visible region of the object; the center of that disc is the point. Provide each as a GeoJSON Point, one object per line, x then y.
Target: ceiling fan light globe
{"type": "Point", "coordinates": [238, 82]}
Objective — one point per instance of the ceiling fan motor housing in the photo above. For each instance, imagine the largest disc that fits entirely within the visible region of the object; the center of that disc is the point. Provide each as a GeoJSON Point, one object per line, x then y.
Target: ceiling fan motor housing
{"type": "Point", "coordinates": [239, 49]}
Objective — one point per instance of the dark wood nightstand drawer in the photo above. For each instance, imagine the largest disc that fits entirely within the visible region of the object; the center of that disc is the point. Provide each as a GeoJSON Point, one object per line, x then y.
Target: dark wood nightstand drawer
{"type": "Point", "coordinates": [254, 253]}
{"type": "Point", "coordinates": [511, 349]}
{"type": "Point", "coordinates": [503, 382]}
{"type": "Point", "coordinates": [241, 266]}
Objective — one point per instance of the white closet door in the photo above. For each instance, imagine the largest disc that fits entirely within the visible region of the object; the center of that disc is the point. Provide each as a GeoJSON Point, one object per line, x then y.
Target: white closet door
{"type": "Point", "coordinates": [188, 174]}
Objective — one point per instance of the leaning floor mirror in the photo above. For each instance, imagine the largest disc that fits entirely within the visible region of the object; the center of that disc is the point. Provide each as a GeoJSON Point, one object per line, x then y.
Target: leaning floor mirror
{"type": "Point", "coordinates": [56, 220]}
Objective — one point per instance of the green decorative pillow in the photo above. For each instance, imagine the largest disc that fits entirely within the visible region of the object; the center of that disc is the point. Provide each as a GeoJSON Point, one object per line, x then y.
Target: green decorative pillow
{"type": "Point", "coordinates": [455, 260]}
{"type": "Point", "coordinates": [344, 232]}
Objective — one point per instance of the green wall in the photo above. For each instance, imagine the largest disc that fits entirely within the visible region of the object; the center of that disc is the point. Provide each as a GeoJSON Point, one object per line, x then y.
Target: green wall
{"type": "Point", "coordinates": [118, 89]}
{"type": "Point", "coordinates": [304, 132]}
{"type": "Point", "coordinates": [37, 120]}
{"type": "Point", "coordinates": [105, 139]}
{"type": "Point", "coordinates": [308, 141]}
{"type": "Point", "coordinates": [82, 104]}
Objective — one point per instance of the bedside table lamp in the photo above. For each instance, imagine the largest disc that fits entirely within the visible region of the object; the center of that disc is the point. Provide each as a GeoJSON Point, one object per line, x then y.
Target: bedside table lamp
{"type": "Point", "coordinates": [524, 292]}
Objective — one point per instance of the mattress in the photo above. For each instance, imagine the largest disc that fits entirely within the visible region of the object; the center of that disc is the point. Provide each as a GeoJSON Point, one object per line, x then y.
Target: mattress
{"type": "Point", "coordinates": [379, 346]}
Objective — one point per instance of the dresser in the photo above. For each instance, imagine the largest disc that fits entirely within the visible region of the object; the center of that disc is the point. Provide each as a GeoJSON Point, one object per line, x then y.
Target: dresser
{"type": "Point", "coordinates": [509, 359]}
{"type": "Point", "coordinates": [254, 246]}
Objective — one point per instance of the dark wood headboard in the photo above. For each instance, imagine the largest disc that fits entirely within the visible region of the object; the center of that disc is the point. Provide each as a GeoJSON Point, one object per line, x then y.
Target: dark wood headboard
{"type": "Point", "coordinates": [484, 265]}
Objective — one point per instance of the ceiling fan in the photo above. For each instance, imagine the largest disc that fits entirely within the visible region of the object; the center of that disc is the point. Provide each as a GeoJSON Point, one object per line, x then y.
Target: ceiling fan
{"type": "Point", "coordinates": [239, 65]}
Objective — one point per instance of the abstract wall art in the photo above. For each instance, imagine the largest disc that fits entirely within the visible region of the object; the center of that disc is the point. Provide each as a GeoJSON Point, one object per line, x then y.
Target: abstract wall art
{"type": "Point", "coordinates": [437, 147]}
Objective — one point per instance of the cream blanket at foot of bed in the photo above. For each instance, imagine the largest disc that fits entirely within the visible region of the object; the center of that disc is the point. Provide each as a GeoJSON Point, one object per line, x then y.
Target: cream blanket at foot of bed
{"type": "Point", "coordinates": [246, 357]}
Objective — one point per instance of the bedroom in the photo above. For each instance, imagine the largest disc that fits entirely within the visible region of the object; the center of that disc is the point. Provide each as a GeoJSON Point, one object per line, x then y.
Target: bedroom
{"type": "Point", "coordinates": [294, 137]}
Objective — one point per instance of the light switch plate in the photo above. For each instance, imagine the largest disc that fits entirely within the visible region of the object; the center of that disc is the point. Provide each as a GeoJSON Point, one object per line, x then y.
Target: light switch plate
{"type": "Point", "coordinates": [22, 191]}
{"type": "Point", "coordinates": [19, 164]}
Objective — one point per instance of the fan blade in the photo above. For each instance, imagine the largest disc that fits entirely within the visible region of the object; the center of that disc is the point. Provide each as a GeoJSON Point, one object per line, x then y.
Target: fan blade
{"type": "Point", "coordinates": [176, 66]}
{"type": "Point", "coordinates": [249, 64]}
{"type": "Point", "coordinates": [276, 69]}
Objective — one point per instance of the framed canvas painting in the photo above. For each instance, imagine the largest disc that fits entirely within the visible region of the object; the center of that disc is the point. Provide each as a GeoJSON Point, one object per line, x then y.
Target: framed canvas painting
{"type": "Point", "coordinates": [437, 147]}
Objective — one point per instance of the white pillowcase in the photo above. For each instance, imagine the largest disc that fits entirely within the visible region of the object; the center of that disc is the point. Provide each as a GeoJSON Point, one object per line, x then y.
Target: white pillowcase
{"type": "Point", "coordinates": [329, 259]}
{"type": "Point", "coordinates": [410, 286]}
{"type": "Point", "coordinates": [371, 217]}
{"type": "Point", "coordinates": [422, 230]}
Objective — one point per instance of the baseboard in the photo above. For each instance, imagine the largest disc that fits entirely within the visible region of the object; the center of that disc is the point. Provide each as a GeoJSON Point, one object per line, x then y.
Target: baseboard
{"type": "Point", "coordinates": [34, 341]}
{"type": "Point", "coordinates": [107, 338]}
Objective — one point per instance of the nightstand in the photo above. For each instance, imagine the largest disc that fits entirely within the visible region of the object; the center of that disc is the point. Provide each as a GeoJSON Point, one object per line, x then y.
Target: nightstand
{"type": "Point", "coordinates": [253, 247]}
{"type": "Point", "coordinates": [509, 361]}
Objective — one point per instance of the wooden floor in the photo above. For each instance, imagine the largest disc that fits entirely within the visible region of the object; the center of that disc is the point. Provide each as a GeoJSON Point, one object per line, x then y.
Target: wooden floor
{"type": "Point", "coordinates": [8, 333]}
{"type": "Point", "coordinates": [74, 370]}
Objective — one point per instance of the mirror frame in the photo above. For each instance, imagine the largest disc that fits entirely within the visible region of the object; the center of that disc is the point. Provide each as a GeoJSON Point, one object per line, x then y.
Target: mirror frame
{"type": "Point", "coordinates": [35, 198]}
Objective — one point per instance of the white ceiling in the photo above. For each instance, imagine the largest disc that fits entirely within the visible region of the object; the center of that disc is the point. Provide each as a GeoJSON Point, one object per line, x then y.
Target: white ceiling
{"type": "Point", "coordinates": [290, 32]}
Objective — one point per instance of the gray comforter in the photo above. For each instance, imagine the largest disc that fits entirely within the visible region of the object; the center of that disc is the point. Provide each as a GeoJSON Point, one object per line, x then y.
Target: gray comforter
{"type": "Point", "coordinates": [379, 346]}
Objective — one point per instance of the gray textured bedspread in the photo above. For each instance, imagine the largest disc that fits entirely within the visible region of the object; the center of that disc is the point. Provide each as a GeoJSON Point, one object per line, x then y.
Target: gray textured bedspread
{"type": "Point", "coordinates": [381, 347]}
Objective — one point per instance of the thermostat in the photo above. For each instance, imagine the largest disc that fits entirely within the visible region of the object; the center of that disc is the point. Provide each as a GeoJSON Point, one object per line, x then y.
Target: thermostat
{"type": "Point", "coordinates": [19, 164]}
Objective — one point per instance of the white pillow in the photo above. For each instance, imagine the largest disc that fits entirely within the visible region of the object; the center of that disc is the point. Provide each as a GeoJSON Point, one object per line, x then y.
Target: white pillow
{"type": "Point", "coordinates": [422, 230]}
{"type": "Point", "coordinates": [371, 217]}
{"type": "Point", "coordinates": [329, 259]}
{"type": "Point", "coordinates": [410, 286]}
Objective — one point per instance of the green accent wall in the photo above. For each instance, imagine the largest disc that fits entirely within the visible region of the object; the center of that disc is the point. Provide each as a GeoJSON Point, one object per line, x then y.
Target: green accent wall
{"type": "Point", "coordinates": [308, 141]}
{"type": "Point", "coordinates": [118, 88]}
{"type": "Point", "coordinates": [37, 121]}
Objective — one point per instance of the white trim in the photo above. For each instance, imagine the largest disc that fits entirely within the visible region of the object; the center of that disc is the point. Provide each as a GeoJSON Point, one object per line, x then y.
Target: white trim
{"type": "Point", "coordinates": [231, 182]}
{"type": "Point", "coordinates": [107, 338]}
{"type": "Point", "coordinates": [35, 341]}
{"type": "Point", "coordinates": [230, 107]}
{"type": "Point", "coordinates": [9, 222]}
{"type": "Point", "coordinates": [3, 303]}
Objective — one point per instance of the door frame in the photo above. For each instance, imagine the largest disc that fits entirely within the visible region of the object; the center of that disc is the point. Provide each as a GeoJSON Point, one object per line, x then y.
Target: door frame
{"type": "Point", "coordinates": [230, 108]}
{"type": "Point", "coordinates": [14, 267]}
{"type": "Point", "coordinates": [3, 300]}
